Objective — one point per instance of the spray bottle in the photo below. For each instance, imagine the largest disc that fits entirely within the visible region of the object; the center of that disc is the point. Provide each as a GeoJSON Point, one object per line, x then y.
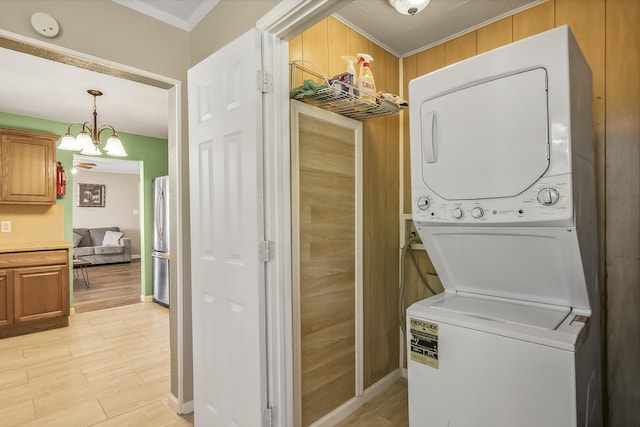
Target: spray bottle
{"type": "Point", "coordinates": [366, 85]}
{"type": "Point", "coordinates": [351, 72]}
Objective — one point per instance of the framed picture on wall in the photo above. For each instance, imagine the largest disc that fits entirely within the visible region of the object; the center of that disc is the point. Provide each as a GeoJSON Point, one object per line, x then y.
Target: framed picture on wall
{"type": "Point", "coordinates": [91, 195]}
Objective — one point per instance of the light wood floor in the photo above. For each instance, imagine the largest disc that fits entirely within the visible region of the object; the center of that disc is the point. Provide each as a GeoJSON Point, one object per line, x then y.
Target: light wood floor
{"type": "Point", "coordinates": [388, 409]}
{"type": "Point", "coordinates": [108, 368]}
{"type": "Point", "coordinates": [111, 285]}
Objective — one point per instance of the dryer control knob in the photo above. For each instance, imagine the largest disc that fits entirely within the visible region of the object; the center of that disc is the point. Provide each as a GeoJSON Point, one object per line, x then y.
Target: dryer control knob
{"type": "Point", "coordinates": [477, 212]}
{"type": "Point", "coordinates": [457, 213]}
{"type": "Point", "coordinates": [548, 196]}
{"type": "Point", "coordinates": [423, 203]}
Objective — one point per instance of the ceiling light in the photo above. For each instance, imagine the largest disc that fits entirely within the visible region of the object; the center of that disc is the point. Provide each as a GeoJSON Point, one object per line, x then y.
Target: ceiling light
{"type": "Point", "coordinates": [88, 140]}
{"type": "Point", "coordinates": [409, 7]}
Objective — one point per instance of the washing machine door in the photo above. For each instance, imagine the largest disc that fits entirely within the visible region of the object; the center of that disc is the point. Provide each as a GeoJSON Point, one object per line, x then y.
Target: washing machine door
{"type": "Point", "coordinates": [487, 139]}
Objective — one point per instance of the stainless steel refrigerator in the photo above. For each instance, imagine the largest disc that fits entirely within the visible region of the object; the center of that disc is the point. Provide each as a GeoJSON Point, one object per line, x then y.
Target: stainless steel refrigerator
{"type": "Point", "coordinates": [160, 254]}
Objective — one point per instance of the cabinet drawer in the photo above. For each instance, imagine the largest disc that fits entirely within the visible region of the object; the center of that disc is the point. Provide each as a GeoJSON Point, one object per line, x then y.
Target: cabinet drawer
{"type": "Point", "coordinates": [35, 258]}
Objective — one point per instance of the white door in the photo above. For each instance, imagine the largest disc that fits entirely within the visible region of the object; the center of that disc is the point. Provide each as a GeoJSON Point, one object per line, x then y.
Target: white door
{"type": "Point", "coordinates": [227, 229]}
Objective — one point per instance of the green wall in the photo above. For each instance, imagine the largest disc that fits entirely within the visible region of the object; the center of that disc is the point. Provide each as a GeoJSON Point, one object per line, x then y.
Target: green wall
{"type": "Point", "coordinates": [153, 154]}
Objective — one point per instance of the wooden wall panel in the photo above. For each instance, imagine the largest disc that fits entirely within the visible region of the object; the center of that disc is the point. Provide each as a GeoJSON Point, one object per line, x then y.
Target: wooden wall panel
{"type": "Point", "coordinates": [295, 53]}
{"type": "Point", "coordinates": [495, 35]}
{"type": "Point", "coordinates": [460, 48]}
{"type": "Point", "coordinates": [338, 46]}
{"type": "Point", "coordinates": [409, 71]}
{"type": "Point", "coordinates": [622, 123]}
{"type": "Point", "coordinates": [327, 266]}
{"type": "Point", "coordinates": [533, 21]}
{"type": "Point", "coordinates": [315, 48]}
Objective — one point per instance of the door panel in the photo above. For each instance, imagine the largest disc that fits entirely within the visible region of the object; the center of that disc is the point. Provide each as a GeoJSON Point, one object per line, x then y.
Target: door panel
{"type": "Point", "coordinates": [495, 132]}
{"type": "Point", "coordinates": [326, 184]}
{"type": "Point", "coordinates": [225, 151]}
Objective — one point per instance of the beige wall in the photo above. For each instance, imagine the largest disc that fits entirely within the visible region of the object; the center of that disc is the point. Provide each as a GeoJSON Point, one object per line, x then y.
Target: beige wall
{"type": "Point", "coordinates": [122, 198]}
{"type": "Point", "coordinates": [609, 36]}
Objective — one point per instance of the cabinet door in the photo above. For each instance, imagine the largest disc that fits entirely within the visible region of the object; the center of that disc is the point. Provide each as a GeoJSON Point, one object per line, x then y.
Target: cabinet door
{"type": "Point", "coordinates": [6, 298]}
{"type": "Point", "coordinates": [40, 292]}
{"type": "Point", "coordinates": [28, 167]}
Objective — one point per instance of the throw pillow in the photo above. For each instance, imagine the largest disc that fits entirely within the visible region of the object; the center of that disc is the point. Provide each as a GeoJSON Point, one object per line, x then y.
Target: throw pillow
{"type": "Point", "coordinates": [111, 238]}
{"type": "Point", "coordinates": [76, 239]}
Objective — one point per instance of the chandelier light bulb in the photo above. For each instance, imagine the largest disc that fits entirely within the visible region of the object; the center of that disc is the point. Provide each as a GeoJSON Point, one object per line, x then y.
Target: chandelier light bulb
{"type": "Point", "coordinates": [68, 142]}
{"type": "Point", "coordinates": [114, 147]}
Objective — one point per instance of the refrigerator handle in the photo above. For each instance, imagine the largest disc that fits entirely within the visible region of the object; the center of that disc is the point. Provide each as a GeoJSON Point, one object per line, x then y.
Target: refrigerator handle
{"type": "Point", "coordinates": [160, 214]}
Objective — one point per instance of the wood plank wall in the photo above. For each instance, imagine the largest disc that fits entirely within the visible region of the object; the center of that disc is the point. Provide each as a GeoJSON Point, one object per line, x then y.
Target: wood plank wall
{"type": "Point", "coordinates": [608, 32]}
{"type": "Point", "coordinates": [324, 44]}
{"type": "Point", "coordinates": [327, 270]}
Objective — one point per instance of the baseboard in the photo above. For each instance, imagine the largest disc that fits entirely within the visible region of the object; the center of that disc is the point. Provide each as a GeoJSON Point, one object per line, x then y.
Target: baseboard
{"type": "Point", "coordinates": [174, 405]}
{"type": "Point", "coordinates": [136, 256]}
{"type": "Point", "coordinates": [349, 407]}
{"type": "Point", "coordinates": [72, 311]}
{"type": "Point", "coordinates": [146, 298]}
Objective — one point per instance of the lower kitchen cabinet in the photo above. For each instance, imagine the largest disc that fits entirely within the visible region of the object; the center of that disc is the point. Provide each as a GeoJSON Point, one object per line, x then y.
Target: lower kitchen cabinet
{"type": "Point", "coordinates": [34, 288]}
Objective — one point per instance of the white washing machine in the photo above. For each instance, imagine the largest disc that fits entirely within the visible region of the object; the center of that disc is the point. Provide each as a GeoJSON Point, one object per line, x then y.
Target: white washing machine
{"type": "Point", "coordinates": [503, 197]}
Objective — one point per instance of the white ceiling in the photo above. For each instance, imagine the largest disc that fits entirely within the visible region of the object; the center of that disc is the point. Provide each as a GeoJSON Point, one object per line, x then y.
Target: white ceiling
{"type": "Point", "coordinates": [441, 20]}
{"type": "Point", "coordinates": [35, 87]}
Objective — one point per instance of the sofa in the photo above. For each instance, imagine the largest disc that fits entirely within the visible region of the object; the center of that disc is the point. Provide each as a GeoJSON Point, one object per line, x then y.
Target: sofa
{"type": "Point", "coordinates": [101, 245]}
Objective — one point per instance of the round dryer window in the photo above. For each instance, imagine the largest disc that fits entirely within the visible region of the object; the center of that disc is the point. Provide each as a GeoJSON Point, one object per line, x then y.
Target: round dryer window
{"type": "Point", "coordinates": [487, 140]}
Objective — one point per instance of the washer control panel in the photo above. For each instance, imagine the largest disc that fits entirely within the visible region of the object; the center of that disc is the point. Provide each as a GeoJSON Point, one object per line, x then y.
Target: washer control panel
{"type": "Point", "coordinates": [548, 200]}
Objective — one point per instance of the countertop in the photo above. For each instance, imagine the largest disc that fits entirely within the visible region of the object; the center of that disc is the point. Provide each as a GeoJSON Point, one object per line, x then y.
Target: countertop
{"type": "Point", "coordinates": [34, 246]}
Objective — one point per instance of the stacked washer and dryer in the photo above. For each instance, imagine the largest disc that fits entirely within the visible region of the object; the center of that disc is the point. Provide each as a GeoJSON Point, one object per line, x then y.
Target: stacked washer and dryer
{"type": "Point", "coordinates": [503, 197]}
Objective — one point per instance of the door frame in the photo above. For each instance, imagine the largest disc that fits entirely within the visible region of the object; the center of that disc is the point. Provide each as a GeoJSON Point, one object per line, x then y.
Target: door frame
{"type": "Point", "coordinates": [52, 52]}
{"type": "Point", "coordinates": [286, 20]}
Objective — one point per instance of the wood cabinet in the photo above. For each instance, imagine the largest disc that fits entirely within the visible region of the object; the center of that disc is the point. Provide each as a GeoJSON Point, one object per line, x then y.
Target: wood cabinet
{"type": "Point", "coordinates": [27, 166]}
{"type": "Point", "coordinates": [34, 291]}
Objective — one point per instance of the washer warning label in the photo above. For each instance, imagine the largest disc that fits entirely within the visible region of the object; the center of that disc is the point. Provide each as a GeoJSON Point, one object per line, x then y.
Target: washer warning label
{"type": "Point", "coordinates": [424, 342]}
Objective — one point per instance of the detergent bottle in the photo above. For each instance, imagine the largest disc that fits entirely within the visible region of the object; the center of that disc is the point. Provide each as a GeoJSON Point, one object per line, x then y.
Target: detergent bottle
{"type": "Point", "coordinates": [366, 85]}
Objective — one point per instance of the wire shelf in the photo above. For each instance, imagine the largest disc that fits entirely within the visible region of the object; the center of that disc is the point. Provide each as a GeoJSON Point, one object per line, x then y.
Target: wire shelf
{"type": "Point", "coordinates": [338, 97]}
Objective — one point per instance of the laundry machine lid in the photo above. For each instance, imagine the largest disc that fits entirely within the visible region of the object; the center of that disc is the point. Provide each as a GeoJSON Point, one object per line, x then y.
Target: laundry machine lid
{"type": "Point", "coordinates": [487, 139]}
{"type": "Point", "coordinates": [502, 310]}
{"type": "Point", "coordinates": [535, 264]}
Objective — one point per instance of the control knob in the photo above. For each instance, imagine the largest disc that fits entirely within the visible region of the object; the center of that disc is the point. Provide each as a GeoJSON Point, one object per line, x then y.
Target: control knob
{"type": "Point", "coordinates": [548, 196]}
{"type": "Point", "coordinates": [423, 203]}
{"type": "Point", "coordinates": [477, 212]}
{"type": "Point", "coordinates": [457, 213]}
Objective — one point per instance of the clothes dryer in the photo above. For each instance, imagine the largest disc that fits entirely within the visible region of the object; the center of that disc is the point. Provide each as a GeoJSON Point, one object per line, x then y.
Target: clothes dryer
{"type": "Point", "coordinates": [503, 197]}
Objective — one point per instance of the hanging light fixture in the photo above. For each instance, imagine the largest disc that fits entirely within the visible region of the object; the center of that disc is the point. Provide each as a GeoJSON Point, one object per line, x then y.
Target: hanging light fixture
{"type": "Point", "coordinates": [88, 140]}
{"type": "Point", "coordinates": [409, 7]}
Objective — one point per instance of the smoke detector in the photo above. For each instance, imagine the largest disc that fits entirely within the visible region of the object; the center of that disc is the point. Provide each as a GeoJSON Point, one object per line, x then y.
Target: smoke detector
{"type": "Point", "coordinates": [45, 24]}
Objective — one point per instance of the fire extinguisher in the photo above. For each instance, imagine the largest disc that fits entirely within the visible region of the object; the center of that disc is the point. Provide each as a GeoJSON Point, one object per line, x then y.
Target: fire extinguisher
{"type": "Point", "coordinates": [61, 180]}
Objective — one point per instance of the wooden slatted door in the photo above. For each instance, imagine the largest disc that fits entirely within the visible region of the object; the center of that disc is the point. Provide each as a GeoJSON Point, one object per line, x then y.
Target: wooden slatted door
{"type": "Point", "coordinates": [326, 200]}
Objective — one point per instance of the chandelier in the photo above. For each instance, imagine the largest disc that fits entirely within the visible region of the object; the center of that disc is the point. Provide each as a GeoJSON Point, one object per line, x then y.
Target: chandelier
{"type": "Point", "coordinates": [88, 140]}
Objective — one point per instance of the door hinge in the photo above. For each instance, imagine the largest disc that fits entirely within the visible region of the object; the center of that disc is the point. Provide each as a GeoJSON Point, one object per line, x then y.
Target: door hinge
{"type": "Point", "coordinates": [265, 82]}
{"type": "Point", "coordinates": [267, 417]}
{"type": "Point", "coordinates": [264, 250]}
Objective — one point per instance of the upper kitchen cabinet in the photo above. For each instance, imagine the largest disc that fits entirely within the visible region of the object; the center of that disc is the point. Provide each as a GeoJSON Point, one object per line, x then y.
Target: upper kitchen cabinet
{"type": "Point", "coordinates": [28, 163]}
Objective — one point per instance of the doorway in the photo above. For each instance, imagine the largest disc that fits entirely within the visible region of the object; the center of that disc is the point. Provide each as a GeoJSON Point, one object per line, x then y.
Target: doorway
{"type": "Point", "coordinates": [180, 327]}
{"type": "Point", "coordinates": [95, 287]}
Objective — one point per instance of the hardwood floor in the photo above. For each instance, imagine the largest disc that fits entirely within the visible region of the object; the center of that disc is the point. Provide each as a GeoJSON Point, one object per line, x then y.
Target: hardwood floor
{"type": "Point", "coordinates": [388, 409]}
{"type": "Point", "coordinates": [108, 368]}
{"type": "Point", "coordinates": [110, 285]}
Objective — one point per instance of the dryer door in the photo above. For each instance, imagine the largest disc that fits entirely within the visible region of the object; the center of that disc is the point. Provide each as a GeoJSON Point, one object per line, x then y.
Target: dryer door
{"type": "Point", "coordinates": [487, 140]}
